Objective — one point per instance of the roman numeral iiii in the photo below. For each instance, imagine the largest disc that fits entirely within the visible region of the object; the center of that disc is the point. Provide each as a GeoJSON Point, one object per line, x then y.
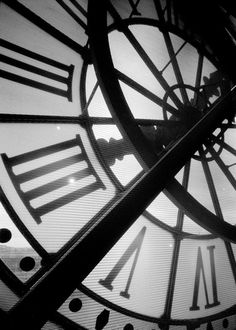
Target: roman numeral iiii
{"type": "Point", "coordinates": [46, 161]}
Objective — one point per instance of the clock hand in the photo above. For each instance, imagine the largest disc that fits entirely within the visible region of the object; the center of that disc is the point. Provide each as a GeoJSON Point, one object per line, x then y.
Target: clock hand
{"type": "Point", "coordinates": [33, 310]}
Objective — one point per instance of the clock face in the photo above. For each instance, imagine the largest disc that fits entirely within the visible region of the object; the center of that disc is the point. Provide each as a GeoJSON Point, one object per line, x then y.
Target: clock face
{"type": "Point", "coordinates": [68, 160]}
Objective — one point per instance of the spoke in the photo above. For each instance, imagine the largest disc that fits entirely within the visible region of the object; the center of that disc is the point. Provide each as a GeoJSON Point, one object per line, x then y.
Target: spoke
{"type": "Point", "coordinates": [174, 55]}
{"type": "Point", "coordinates": [156, 122]}
{"type": "Point", "coordinates": [175, 256]}
{"type": "Point", "coordinates": [81, 120]}
{"type": "Point", "coordinates": [210, 184]}
{"type": "Point", "coordinates": [176, 68]}
{"type": "Point", "coordinates": [171, 52]}
{"type": "Point", "coordinates": [71, 13]}
{"type": "Point", "coordinates": [144, 56]}
{"type": "Point", "coordinates": [145, 92]}
{"type": "Point", "coordinates": [79, 7]}
{"type": "Point", "coordinates": [38, 119]}
{"type": "Point", "coordinates": [185, 185]}
{"type": "Point", "coordinates": [225, 145]}
{"type": "Point", "coordinates": [198, 78]}
{"type": "Point", "coordinates": [172, 280]}
{"type": "Point", "coordinates": [91, 96]}
{"type": "Point", "coordinates": [199, 71]}
{"type": "Point", "coordinates": [140, 121]}
{"type": "Point", "coordinates": [45, 26]}
{"type": "Point", "coordinates": [134, 7]}
{"type": "Point", "coordinates": [222, 166]}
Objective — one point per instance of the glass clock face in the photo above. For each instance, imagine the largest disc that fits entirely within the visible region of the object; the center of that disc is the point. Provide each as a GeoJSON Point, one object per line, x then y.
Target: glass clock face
{"type": "Point", "coordinates": [67, 161]}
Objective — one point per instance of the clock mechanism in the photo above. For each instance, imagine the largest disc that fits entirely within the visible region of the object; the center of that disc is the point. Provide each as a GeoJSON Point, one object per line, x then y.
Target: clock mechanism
{"type": "Point", "coordinates": [117, 162]}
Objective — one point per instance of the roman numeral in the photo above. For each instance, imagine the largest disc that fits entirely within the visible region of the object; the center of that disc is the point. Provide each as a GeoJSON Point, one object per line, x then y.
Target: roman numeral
{"type": "Point", "coordinates": [201, 271]}
{"type": "Point", "coordinates": [52, 158]}
{"type": "Point", "coordinates": [75, 10]}
{"type": "Point", "coordinates": [58, 80]}
{"type": "Point", "coordinates": [134, 248]}
{"type": "Point", "coordinates": [134, 5]}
